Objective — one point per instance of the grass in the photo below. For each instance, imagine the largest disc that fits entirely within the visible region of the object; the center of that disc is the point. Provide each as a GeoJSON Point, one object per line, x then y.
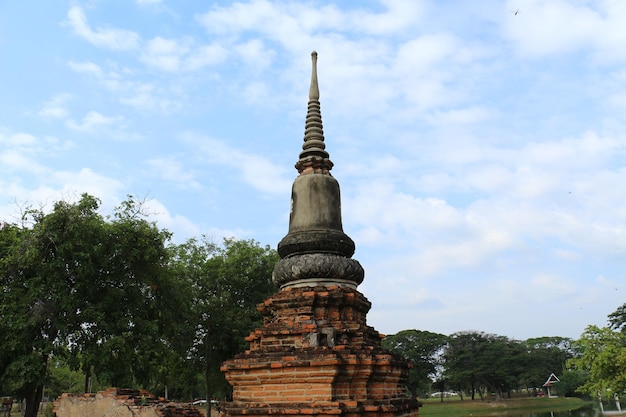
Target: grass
{"type": "Point", "coordinates": [433, 407]}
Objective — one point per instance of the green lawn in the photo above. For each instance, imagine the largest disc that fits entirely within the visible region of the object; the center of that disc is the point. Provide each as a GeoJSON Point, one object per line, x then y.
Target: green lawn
{"type": "Point", "coordinates": [433, 407]}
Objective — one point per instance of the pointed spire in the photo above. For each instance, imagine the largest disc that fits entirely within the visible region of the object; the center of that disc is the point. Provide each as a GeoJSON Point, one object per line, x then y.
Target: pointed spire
{"type": "Point", "coordinates": [314, 157]}
{"type": "Point", "coordinates": [314, 90]}
{"type": "Point", "coordinates": [316, 251]}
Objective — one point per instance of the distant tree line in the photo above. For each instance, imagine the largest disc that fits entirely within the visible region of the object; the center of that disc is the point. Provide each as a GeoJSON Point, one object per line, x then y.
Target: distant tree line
{"type": "Point", "coordinates": [88, 301]}
{"type": "Point", "coordinates": [476, 364]}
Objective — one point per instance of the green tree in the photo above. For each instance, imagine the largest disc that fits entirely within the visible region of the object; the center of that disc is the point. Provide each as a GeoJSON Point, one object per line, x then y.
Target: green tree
{"type": "Point", "coordinates": [569, 381]}
{"type": "Point", "coordinates": [617, 319]}
{"type": "Point", "coordinates": [545, 355]}
{"type": "Point", "coordinates": [43, 271]}
{"type": "Point", "coordinates": [73, 279]}
{"type": "Point", "coordinates": [424, 350]}
{"type": "Point", "coordinates": [603, 358]}
{"type": "Point", "coordinates": [138, 307]}
{"type": "Point", "coordinates": [474, 361]}
{"type": "Point", "coordinates": [227, 283]}
{"type": "Point", "coordinates": [462, 358]}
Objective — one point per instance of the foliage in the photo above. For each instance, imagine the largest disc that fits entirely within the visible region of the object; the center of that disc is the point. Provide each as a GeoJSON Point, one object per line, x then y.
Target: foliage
{"type": "Point", "coordinates": [227, 283]}
{"type": "Point", "coordinates": [569, 381]}
{"type": "Point", "coordinates": [464, 361]}
{"type": "Point", "coordinates": [75, 280]}
{"type": "Point", "coordinates": [603, 357]}
{"type": "Point", "coordinates": [107, 299]}
{"type": "Point", "coordinates": [617, 319]}
{"type": "Point", "coordinates": [423, 349]}
{"type": "Point", "coordinates": [543, 356]}
{"type": "Point", "coordinates": [475, 361]}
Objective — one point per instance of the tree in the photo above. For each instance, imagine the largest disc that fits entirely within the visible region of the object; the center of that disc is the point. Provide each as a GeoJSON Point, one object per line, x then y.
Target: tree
{"type": "Point", "coordinates": [617, 319]}
{"type": "Point", "coordinates": [603, 357]}
{"type": "Point", "coordinates": [227, 283]}
{"type": "Point", "coordinates": [462, 359]}
{"type": "Point", "coordinates": [138, 306]}
{"type": "Point", "coordinates": [70, 279]}
{"type": "Point", "coordinates": [475, 360]}
{"type": "Point", "coordinates": [423, 349]}
{"type": "Point", "coordinates": [545, 355]}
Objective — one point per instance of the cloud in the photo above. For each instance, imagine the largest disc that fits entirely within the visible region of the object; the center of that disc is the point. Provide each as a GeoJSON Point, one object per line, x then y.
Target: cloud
{"type": "Point", "coordinates": [417, 72]}
{"type": "Point", "coordinates": [276, 20]}
{"type": "Point", "coordinates": [55, 107]}
{"type": "Point", "coordinates": [112, 79]}
{"type": "Point", "coordinates": [51, 185]}
{"type": "Point", "coordinates": [92, 121]}
{"type": "Point", "coordinates": [560, 27]}
{"type": "Point", "coordinates": [173, 55]}
{"type": "Point", "coordinates": [253, 169]}
{"type": "Point", "coordinates": [172, 170]}
{"type": "Point", "coordinates": [138, 94]}
{"type": "Point", "coordinates": [206, 55]}
{"type": "Point", "coordinates": [13, 160]}
{"type": "Point", "coordinates": [181, 227]}
{"type": "Point", "coordinates": [164, 54]}
{"type": "Point", "coordinates": [17, 140]}
{"type": "Point", "coordinates": [110, 38]}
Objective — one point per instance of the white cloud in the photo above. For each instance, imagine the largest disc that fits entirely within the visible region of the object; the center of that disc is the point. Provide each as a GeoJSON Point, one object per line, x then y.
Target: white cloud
{"type": "Point", "coordinates": [164, 54]}
{"type": "Point", "coordinates": [255, 54]}
{"type": "Point", "coordinates": [92, 121]}
{"type": "Point", "coordinates": [206, 55]}
{"type": "Point", "coordinates": [173, 55]}
{"type": "Point", "coordinates": [111, 38]}
{"type": "Point", "coordinates": [52, 185]}
{"type": "Point", "coordinates": [137, 94]}
{"type": "Point", "coordinates": [255, 170]}
{"type": "Point", "coordinates": [13, 160]}
{"type": "Point", "coordinates": [556, 27]}
{"type": "Point", "coordinates": [112, 80]}
{"type": "Point", "coordinates": [17, 139]}
{"type": "Point", "coordinates": [171, 169]}
{"type": "Point", "coordinates": [181, 227]}
{"type": "Point", "coordinates": [56, 107]}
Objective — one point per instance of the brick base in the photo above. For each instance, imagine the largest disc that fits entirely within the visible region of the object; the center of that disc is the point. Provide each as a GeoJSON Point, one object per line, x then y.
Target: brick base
{"type": "Point", "coordinates": [315, 355]}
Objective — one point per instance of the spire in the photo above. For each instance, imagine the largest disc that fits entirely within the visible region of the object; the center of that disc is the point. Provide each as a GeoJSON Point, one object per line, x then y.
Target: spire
{"type": "Point", "coordinates": [314, 157]}
{"type": "Point", "coordinates": [316, 251]}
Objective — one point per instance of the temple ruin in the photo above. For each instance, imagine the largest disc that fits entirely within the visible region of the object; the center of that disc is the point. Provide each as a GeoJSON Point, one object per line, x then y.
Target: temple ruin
{"type": "Point", "coordinates": [315, 354]}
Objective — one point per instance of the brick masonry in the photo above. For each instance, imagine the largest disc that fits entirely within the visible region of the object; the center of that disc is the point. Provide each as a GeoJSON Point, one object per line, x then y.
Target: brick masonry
{"type": "Point", "coordinates": [315, 355]}
{"type": "Point", "coordinates": [116, 402]}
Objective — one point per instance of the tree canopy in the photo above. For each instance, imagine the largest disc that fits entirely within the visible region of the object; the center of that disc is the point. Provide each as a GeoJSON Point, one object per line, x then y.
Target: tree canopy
{"type": "Point", "coordinates": [603, 359]}
{"type": "Point", "coordinates": [424, 350]}
{"type": "Point", "coordinates": [111, 297]}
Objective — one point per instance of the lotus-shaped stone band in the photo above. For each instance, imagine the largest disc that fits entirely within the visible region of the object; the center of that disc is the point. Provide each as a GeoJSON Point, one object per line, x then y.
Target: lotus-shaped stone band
{"type": "Point", "coordinates": [314, 266]}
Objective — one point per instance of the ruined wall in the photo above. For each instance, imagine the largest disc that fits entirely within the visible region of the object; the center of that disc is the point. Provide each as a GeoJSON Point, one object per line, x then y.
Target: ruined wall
{"type": "Point", "coordinates": [121, 403]}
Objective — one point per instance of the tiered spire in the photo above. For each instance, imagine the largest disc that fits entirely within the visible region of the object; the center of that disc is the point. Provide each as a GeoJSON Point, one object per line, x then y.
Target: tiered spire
{"type": "Point", "coordinates": [316, 251]}
{"type": "Point", "coordinates": [313, 157]}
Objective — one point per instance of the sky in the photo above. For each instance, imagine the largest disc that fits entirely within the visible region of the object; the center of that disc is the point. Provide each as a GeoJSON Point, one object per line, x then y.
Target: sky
{"type": "Point", "coordinates": [480, 146]}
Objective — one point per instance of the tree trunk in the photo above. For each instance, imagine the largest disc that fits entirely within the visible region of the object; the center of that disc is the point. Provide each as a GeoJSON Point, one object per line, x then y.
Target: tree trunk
{"type": "Point", "coordinates": [33, 399]}
{"type": "Point", "coordinates": [87, 376]}
{"type": "Point", "coordinates": [207, 375]}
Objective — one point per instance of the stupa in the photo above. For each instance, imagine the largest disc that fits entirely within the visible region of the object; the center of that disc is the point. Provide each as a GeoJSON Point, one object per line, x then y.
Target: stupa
{"type": "Point", "coordinates": [315, 355]}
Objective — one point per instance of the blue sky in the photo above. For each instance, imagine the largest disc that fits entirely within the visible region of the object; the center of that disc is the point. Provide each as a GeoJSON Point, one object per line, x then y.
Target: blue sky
{"type": "Point", "coordinates": [480, 152]}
